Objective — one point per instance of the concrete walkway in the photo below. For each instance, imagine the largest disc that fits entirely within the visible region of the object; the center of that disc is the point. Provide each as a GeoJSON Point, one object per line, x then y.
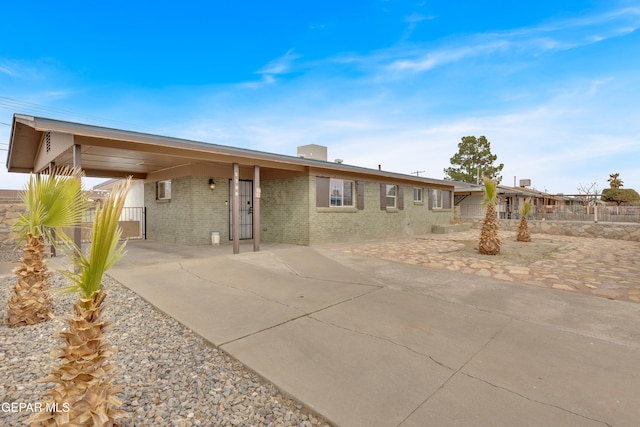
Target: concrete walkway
{"type": "Point", "coordinates": [370, 342]}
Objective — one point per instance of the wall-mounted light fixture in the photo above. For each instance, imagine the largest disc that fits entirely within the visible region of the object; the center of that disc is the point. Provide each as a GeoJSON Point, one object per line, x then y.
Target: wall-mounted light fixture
{"type": "Point", "coordinates": [212, 184]}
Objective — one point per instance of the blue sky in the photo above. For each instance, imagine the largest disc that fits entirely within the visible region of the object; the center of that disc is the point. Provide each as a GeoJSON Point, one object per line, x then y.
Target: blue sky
{"type": "Point", "coordinates": [553, 85]}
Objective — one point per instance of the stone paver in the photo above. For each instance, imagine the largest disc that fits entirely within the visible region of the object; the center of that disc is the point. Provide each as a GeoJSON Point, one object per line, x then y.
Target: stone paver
{"type": "Point", "coordinates": [602, 267]}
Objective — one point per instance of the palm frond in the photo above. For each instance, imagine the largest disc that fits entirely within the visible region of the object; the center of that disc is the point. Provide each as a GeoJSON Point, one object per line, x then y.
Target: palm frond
{"type": "Point", "coordinates": [52, 202]}
{"type": "Point", "coordinates": [490, 192]}
{"type": "Point", "coordinates": [526, 208]}
{"type": "Point", "coordinates": [105, 247]}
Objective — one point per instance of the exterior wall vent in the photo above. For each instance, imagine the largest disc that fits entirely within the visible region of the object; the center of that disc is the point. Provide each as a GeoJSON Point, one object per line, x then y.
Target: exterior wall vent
{"type": "Point", "coordinates": [47, 139]}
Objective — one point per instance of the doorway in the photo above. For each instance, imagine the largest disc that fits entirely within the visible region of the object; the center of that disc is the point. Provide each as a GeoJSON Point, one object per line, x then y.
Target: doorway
{"type": "Point", "coordinates": [246, 209]}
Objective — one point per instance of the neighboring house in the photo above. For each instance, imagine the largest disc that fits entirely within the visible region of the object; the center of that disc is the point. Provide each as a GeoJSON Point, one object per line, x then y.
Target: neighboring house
{"type": "Point", "coordinates": [192, 189]}
{"type": "Point", "coordinates": [512, 200]}
{"type": "Point", "coordinates": [132, 218]}
{"type": "Point", "coordinates": [135, 197]}
{"type": "Point", "coordinates": [468, 199]}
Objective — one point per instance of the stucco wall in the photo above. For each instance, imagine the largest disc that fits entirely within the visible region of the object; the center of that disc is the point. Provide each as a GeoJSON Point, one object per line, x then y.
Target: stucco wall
{"type": "Point", "coordinates": [193, 212]}
{"type": "Point", "coordinates": [607, 230]}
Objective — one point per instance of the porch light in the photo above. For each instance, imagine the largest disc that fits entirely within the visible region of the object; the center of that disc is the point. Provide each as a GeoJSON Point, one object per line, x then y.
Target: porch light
{"type": "Point", "coordinates": [212, 184]}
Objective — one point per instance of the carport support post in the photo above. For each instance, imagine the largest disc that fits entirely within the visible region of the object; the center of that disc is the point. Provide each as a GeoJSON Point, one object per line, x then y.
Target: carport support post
{"type": "Point", "coordinates": [77, 163]}
{"type": "Point", "coordinates": [256, 208]}
{"type": "Point", "coordinates": [235, 211]}
{"type": "Point", "coordinates": [52, 167]}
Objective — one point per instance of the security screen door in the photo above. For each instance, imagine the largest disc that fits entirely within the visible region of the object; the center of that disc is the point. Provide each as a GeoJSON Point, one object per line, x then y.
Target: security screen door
{"type": "Point", "coordinates": [246, 209]}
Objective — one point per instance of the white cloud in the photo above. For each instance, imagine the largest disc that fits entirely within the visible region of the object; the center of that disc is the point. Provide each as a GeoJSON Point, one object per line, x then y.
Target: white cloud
{"type": "Point", "coordinates": [281, 65]}
{"type": "Point", "coordinates": [559, 35]}
{"type": "Point", "coordinates": [5, 69]}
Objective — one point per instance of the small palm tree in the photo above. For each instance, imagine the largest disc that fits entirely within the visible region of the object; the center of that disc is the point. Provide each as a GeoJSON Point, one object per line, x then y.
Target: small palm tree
{"type": "Point", "coordinates": [614, 180]}
{"type": "Point", "coordinates": [83, 379]}
{"type": "Point", "coordinates": [52, 202]}
{"type": "Point", "coordinates": [489, 241]}
{"type": "Point", "coordinates": [523, 228]}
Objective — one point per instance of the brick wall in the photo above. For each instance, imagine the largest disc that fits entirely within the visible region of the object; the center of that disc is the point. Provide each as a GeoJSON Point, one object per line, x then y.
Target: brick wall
{"type": "Point", "coordinates": [192, 214]}
{"type": "Point", "coordinates": [345, 225]}
{"type": "Point", "coordinates": [288, 214]}
{"type": "Point", "coordinates": [284, 210]}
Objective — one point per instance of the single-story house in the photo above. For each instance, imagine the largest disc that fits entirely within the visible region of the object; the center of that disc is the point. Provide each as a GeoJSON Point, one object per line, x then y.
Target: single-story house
{"type": "Point", "coordinates": [468, 199]}
{"type": "Point", "coordinates": [193, 189]}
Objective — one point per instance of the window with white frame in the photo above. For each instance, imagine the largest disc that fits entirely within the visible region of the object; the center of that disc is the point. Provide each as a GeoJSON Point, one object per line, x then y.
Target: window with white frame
{"type": "Point", "coordinates": [436, 199]}
{"type": "Point", "coordinates": [417, 195]}
{"type": "Point", "coordinates": [341, 192]}
{"type": "Point", "coordinates": [163, 190]}
{"type": "Point", "coordinates": [392, 193]}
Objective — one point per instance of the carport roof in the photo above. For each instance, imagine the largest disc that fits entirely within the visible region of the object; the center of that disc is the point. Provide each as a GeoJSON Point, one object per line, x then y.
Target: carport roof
{"type": "Point", "coordinates": [116, 153]}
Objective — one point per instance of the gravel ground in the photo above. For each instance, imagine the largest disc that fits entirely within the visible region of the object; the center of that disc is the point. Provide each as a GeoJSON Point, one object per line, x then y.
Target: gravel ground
{"type": "Point", "coordinates": [9, 253]}
{"type": "Point", "coordinates": [171, 376]}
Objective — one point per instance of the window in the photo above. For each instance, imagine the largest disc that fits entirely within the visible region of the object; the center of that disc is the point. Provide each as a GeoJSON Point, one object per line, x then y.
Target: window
{"type": "Point", "coordinates": [341, 192]}
{"type": "Point", "coordinates": [163, 190]}
{"type": "Point", "coordinates": [417, 195]}
{"type": "Point", "coordinates": [391, 197]}
{"type": "Point", "coordinates": [391, 194]}
{"type": "Point", "coordinates": [436, 199]}
{"type": "Point", "coordinates": [440, 199]}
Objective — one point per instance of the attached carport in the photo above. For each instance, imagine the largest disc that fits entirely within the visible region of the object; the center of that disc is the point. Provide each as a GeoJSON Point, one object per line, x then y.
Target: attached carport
{"type": "Point", "coordinates": [37, 145]}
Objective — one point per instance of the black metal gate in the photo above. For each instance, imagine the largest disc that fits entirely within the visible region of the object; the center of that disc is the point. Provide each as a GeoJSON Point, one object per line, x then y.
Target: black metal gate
{"type": "Point", "coordinates": [246, 209]}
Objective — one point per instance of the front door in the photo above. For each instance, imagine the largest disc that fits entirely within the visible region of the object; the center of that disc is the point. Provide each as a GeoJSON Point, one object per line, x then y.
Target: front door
{"type": "Point", "coordinates": [246, 209]}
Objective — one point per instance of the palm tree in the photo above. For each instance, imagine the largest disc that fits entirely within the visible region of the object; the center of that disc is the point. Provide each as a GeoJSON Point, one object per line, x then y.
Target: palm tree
{"type": "Point", "coordinates": [523, 228]}
{"type": "Point", "coordinates": [614, 180]}
{"type": "Point", "coordinates": [83, 379]}
{"type": "Point", "coordinates": [489, 241]}
{"type": "Point", "coordinates": [52, 202]}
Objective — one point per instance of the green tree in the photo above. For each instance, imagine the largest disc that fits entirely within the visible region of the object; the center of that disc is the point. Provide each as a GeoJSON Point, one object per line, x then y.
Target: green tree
{"type": "Point", "coordinates": [614, 180]}
{"type": "Point", "coordinates": [620, 195]}
{"type": "Point", "coordinates": [474, 160]}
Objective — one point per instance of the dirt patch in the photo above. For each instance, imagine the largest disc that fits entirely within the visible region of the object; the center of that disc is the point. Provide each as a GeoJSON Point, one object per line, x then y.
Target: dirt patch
{"type": "Point", "coordinates": [514, 252]}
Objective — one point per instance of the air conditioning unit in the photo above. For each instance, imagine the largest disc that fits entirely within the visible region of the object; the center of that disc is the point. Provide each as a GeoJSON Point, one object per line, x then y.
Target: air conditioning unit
{"type": "Point", "coordinates": [525, 183]}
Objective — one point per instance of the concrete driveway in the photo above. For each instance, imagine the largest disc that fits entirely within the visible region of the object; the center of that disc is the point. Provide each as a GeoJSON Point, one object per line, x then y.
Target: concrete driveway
{"type": "Point", "coordinates": [369, 342]}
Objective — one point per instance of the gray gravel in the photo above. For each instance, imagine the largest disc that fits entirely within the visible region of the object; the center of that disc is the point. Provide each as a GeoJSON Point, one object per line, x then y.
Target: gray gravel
{"type": "Point", "coordinates": [9, 253]}
{"type": "Point", "coordinates": [171, 376]}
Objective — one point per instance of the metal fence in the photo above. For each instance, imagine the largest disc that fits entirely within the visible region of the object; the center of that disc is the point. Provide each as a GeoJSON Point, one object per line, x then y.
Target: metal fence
{"type": "Point", "coordinates": [132, 222]}
{"type": "Point", "coordinates": [561, 213]}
